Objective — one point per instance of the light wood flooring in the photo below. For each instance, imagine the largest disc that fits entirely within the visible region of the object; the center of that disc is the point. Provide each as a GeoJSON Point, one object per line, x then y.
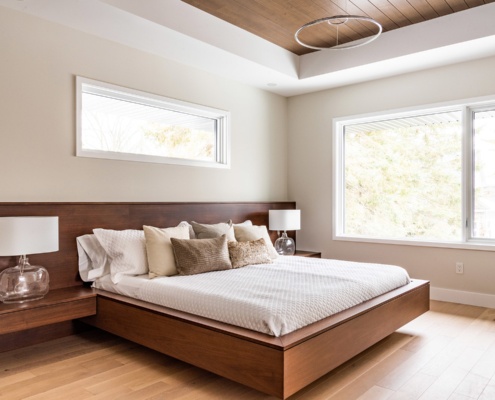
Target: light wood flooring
{"type": "Point", "coordinates": [447, 353]}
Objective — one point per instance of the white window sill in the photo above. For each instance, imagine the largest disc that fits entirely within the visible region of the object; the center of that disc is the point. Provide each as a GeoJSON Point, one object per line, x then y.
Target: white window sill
{"type": "Point", "coordinates": [471, 245]}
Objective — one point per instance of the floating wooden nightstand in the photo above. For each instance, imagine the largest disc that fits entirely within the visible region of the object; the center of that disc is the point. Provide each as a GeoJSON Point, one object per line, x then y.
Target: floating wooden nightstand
{"type": "Point", "coordinates": [57, 306]}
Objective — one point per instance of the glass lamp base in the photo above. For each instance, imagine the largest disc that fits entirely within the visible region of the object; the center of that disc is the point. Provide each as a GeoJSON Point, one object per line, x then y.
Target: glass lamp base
{"type": "Point", "coordinates": [285, 245]}
{"type": "Point", "coordinates": [26, 283]}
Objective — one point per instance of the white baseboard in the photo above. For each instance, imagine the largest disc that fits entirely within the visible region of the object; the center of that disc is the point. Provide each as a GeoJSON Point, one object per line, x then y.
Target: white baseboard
{"type": "Point", "coordinates": [459, 296]}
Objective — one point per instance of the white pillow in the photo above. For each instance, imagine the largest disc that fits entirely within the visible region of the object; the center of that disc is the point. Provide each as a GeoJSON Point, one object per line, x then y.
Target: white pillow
{"type": "Point", "coordinates": [245, 223]}
{"type": "Point", "coordinates": [249, 233]}
{"type": "Point", "coordinates": [93, 260]}
{"type": "Point", "coordinates": [161, 259]}
{"type": "Point", "coordinates": [127, 251]}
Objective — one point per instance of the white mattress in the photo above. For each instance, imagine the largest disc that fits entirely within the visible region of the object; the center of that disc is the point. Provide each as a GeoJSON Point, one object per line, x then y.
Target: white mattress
{"type": "Point", "coordinates": [273, 298]}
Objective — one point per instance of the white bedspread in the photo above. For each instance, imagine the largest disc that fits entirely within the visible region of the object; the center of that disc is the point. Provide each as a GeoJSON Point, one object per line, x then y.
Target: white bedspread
{"type": "Point", "coordinates": [273, 298]}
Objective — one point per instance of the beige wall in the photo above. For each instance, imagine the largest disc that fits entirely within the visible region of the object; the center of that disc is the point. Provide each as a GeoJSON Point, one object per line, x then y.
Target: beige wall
{"type": "Point", "coordinates": [310, 169]}
{"type": "Point", "coordinates": [39, 62]}
{"type": "Point", "coordinates": [37, 138]}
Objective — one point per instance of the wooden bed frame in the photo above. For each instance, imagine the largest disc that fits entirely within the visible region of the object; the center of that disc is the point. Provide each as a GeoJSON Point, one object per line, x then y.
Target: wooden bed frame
{"type": "Point", "coordinates": [276, 366]}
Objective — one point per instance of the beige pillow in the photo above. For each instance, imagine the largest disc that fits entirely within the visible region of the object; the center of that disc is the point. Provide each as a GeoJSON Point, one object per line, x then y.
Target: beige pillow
{"type": "Point", "coordinates": [248, 253]}
{"type": "Point", "coordinates": [192, 235]}
{"type": "Point", "coordinates": [209, 231]}
{"type": "Point", "coordinates": [248, 233]}
{"type": "Point", "coordinates": [161, 259]}
{"type": "Point", "coordinates": [195, 256]}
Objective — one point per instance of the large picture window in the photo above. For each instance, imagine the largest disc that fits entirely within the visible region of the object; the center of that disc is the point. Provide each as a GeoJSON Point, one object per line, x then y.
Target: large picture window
{"type": "Point", "coordinates": [483, 173]}
{"type": "Point", "coordinates": [423, 177]}
{"type": "Point", "coordinates": [119, 123]}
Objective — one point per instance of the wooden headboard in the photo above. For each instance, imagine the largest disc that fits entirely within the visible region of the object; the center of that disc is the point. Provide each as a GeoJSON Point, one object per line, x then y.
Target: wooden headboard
{"type": "Point", "coordinates": [77, 219]}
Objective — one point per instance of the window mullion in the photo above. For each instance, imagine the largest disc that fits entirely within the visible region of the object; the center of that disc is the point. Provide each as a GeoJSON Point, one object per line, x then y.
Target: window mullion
{"type": "Point", "coordinates": [467, 176]}
{"type": "Point", "coordinates": [339, 185]}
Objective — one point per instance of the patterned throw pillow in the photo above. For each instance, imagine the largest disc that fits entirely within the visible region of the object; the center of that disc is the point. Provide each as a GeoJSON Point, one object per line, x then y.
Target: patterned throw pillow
{"type": "Point", "coordinates": [247, 233]}
{"type": "Point", "coordinates": [248, 253]}
{"type": "Point", "coordinates": [196, 256]}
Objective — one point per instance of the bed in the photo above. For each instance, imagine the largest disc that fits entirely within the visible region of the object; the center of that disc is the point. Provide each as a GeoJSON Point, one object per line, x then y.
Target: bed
{"type": "Point", "coordinates": [278, 366]}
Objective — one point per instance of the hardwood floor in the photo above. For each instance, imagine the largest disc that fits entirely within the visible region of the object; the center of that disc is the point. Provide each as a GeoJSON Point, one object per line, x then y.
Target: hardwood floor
{"type": "Point", "coordinates": [447, 353]}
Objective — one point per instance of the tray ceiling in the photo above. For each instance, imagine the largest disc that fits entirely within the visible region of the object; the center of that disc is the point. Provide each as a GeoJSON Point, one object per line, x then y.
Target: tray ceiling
{"type": "Point", "coordinates": [252, 41]}
{"type": "Point", "coordinates": [278, 20]}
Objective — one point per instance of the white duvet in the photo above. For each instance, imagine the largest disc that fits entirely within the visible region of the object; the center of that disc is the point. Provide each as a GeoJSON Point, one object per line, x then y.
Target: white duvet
{"type": "Point", "coordinates": [275, 299]}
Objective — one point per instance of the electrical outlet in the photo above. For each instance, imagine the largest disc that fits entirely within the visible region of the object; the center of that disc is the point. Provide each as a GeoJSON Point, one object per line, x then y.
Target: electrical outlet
{"type": "Point", "coordinates": [459, 268]}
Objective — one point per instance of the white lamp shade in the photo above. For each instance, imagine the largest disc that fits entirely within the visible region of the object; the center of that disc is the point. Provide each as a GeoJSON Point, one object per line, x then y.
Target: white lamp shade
{"type": "Point", "coordinates": [28, 235]}
{"type": "Point", "coordinates": [284, 220]}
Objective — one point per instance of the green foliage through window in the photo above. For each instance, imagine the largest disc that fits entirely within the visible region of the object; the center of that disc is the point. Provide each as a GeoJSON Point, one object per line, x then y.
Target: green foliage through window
{"type": "Point", "coordinates": [124, 124]}
{"type": "Point", "coordinates": [402, 177]}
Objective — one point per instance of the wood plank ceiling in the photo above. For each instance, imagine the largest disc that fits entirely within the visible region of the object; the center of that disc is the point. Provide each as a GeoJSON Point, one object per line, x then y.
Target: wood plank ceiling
{"type": "Point", "coordinates": [278, 20]}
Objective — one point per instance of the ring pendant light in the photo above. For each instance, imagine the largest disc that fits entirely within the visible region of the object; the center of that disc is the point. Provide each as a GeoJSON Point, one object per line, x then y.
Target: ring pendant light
{"type": "Point", "coordinates": [337, 21]}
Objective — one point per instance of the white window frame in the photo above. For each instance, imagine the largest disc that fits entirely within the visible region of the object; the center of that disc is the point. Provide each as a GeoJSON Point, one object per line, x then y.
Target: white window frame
{"type": "Point", "coordinates": [222, 118]}
{"type": "Point", "coordinates": [468, 106]}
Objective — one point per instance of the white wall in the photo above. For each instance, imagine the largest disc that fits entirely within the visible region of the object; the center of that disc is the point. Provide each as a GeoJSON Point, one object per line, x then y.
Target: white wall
{"type": "Point", "coordinates": [39, 62]}
{"type": "Point", "coordinates": [310, 171]}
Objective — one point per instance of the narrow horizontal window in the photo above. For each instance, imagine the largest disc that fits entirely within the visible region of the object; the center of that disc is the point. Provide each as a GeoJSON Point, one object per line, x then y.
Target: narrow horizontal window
{"type": "Point", "coordinates": [119, 123]}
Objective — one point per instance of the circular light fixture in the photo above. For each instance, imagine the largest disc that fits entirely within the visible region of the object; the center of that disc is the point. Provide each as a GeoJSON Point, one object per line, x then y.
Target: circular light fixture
{"type": "Point", "coordinates": [337, 21]}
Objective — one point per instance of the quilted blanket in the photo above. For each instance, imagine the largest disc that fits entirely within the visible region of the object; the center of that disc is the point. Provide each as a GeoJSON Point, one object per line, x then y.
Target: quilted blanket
{"type": "Point", "coordinates": [274, 298]}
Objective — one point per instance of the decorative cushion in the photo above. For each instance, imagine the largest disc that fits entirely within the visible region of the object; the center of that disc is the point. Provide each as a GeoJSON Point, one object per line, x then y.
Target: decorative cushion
{"type": "Point", "coordinates": [248, 253]}
{"type": "Point", "coordinates": [161, 259]}
{"type": "Point", "coordinates": [196, 256]}
{"type": "Point", "coordinates": [209, 231]}
{"type": "Point", "coordinates": [248, 233]}
{"type": "Point", "coordinates": [126, 249]}
{"type": "Point", "coordinates": [93, 260]}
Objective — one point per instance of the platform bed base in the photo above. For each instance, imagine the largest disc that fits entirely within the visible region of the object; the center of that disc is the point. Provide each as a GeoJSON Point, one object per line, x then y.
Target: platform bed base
{"type": "Point", "coordinates": [276, 366]}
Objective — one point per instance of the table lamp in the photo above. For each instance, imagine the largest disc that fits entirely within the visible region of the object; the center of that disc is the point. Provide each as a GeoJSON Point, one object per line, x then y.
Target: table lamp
{"type": "Point", "coordinates": [284, 220]}
{"type": "Point", "coordinates": [20, 236]}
